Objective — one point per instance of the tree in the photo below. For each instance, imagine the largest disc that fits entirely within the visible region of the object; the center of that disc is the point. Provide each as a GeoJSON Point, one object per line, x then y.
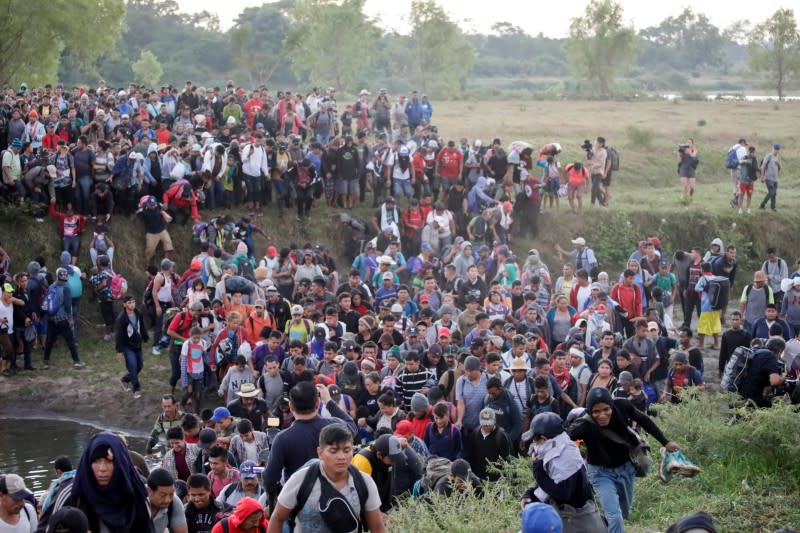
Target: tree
{"type": "Point", "coordinates": [599, 45]}
{"type": "Point", "coordinates": [257, 41]}
{"type": "Point", "coordinates": [694, 39]}
{"type": "Point", "coordinates": [34, 35]}
{"type": "Point", "coordinates": [331, 41]}
{"type": "Point", "coordinates": [441, 54]}
{"type": "Point", "coordinates": [774, 49]}
{"type": "Point", "coordinates": [147, 69]}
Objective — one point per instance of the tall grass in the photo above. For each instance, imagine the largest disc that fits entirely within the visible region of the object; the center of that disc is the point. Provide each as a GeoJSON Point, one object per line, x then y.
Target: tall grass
{"type": "Point", "coordinates": [750, 479]}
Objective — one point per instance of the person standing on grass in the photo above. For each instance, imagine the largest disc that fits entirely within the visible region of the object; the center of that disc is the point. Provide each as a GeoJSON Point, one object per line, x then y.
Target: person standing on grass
{"type": "Point", "coordinates": [605, 430]}
{"type": "Point", "coordinates": [741, 152]}
{"type": "Point", "coordinates": [130, 334]}
{"type": "Point", "coordinates": [59, 323]}
{"type": "Point", "coordinates": [598, 168]}
{"type": "Point", "coordinates": [687, 167]}
{"type": "Point", "coordinates": [770, 167]}
{"type": "Point", "coordinates": [748, 173]}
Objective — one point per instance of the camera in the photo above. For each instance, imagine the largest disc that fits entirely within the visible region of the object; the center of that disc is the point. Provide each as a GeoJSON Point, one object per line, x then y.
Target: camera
{"type": "Point", "coordinates": [682, 147]}
{"type": "Point", "coordinates": [588, 148]}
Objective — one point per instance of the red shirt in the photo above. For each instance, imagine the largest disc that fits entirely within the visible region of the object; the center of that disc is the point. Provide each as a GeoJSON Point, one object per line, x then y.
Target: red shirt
{"type": "Point", "coordinates": [450, 160]}
{"type": "Point", "coordinates": [163, 136]}
{"type": "Point", "coordinates": [629, 298]}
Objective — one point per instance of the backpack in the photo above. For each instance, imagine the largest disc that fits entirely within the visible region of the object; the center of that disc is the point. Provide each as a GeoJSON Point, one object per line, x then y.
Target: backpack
{"type": "Point", "coordinates": [718, 289]}
{"type": "Point", "coordinates": [118, 286]}
{"type": "Point", "coordinates": [732, 160]}
{"type": "Point", "coordinates": [736, 369]}
{"type": "Point", "coordinates": [200, 233]}
{"type": "Point", "coordinates": [613, 156]}
{"type": "Point", "coordinates": [75, 284]}
{"type": "Point", "coordinates": [335, 505]}
{"type": "Point", "coordinates": [246, 269]}
{"type": "Point", "coordinates": [435, 469]}
{"type": "Point", "coordinates": [53, 300]}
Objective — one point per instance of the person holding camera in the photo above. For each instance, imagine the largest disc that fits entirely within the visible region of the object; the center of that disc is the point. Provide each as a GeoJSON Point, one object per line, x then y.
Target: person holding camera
{"type": "Point", "coordinates": [687, 166]}
{"type": "Point", "coordinates": [599, 169]}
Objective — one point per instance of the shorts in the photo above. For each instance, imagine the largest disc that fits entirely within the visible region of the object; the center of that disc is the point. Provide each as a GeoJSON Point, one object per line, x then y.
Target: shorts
{"type": "Point", "coordinates": [745, 188]}
{"type": "Point", "coordinates": [71, 244]}
{"type": "Point", "coordinates": [577, 190]}
{"type": "Point", "coordinates": [709, 323]}
{"type": "Point", "coordinates": [552, 186]}
{"type": "Point", "coordinates": [346, 186]}
{"type": "Point", "coordinates": [152, 241]}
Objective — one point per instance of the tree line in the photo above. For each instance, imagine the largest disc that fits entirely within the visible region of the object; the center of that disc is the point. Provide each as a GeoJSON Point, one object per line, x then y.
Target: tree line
{"type": "Point", "coordinates": [301, 42]}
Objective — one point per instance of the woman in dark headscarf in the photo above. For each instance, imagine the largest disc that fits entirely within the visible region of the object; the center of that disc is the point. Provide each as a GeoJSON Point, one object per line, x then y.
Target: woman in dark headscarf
{"type": "Point", "coordinates": [108, 489]}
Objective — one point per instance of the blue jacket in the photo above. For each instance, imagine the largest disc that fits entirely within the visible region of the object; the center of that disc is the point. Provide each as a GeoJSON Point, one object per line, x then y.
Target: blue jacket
{"type": "Point", "coordinates": [414, 112]}
{"type": "Point", "coordinates": [446, 444]}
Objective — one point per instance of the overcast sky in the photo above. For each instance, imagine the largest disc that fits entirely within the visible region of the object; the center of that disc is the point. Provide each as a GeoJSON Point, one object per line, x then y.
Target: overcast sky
{"type": "Point", "coordinates": [548, 17]}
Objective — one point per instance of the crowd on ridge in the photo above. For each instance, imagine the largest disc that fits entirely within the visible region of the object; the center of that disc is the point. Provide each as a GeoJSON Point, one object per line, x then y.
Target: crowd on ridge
{"type": "Point", "coordinates": [437, 351]}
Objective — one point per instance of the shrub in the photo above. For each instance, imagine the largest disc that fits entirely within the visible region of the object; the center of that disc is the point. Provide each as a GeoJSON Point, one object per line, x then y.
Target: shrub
{"type": "Point", "coordinates": [640, 137]}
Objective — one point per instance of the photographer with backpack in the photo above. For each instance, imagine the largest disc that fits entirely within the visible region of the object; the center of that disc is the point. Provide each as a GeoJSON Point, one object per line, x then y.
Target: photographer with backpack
{"type": "Point", "coordinates": [762, 373]}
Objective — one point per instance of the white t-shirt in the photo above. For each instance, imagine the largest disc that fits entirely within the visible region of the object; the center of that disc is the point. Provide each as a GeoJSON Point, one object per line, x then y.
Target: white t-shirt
{"type": "Point", "coordinates": [27, 521]}
{"type": "Point", "coordinates": [443, 220]}
{"type": "Point", "coordinates": [7, 312]}
{"type": "Point", "coordinates": [309, 519]}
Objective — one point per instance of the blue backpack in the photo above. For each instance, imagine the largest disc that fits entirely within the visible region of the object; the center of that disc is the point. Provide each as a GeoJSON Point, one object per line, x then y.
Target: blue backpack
{"type": "Point", "coordinates": [732, 160]}
{"type": "Point", "coordinates": [75, 284]}
{"type": "Point", "coordinates": [54, 300]}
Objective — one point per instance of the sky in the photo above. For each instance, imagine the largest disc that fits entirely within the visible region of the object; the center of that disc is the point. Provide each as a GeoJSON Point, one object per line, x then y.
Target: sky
{"type": "Point", "coordinates": [552, 18]}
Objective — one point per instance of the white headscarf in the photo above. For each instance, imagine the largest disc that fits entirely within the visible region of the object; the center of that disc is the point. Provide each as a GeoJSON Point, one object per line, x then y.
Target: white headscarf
{"type": "Point", "coordinates": [561, 459]}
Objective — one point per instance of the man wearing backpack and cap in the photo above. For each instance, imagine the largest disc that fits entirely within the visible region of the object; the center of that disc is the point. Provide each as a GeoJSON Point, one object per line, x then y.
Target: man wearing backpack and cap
{"type": "Point", "coordinates": [348, 496]}
{"type": "Point", "coordinates": [16, 514]}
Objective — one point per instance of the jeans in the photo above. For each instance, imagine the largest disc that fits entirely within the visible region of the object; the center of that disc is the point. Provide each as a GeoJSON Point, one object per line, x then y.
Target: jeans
{"type": "Point", "coordinates": [253, 187]}
{"type": "Point", "coordinates": [215, 195]}
{"type": "Point", "coordinates": [76, 309]}
{"type": "Point", "coordinates": [614, 487]}
{"type": "Point", "coordinates": [403, 188]}
{"type": "Point", "coordinates": [134, 363]}
{"type": "Point", "coordinates": [93, 254]}
{"type": "Point", "coordinates": [54, 330]}
{"type": "Point", "coordinates": [772, 193]}
{"type": "Point", "coordinates": [82, 194]}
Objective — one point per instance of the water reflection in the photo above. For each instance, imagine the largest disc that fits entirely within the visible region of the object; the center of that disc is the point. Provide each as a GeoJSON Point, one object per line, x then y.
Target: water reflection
{"type": "Point", "coordinates": [28, 447]}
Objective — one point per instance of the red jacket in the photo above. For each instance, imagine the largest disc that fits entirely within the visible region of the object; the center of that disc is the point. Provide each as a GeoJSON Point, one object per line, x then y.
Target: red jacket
{"type": "Point", "coordinates": [55, 213]}
{"type": "Point", "coordinates": [245, 508]}
{"type": "Point", "coordinates": [629, 298]}
{"type": "Point", "coordinates": [174, 196]}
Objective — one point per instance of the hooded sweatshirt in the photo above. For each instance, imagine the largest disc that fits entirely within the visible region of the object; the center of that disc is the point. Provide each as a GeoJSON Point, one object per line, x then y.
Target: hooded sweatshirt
{"type": "Point", "coordinates": [245, 508]}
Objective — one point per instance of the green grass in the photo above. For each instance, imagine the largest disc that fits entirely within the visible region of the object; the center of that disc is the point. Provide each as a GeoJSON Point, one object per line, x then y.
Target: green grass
{"type": "Point", "coordinates": [749, 479]}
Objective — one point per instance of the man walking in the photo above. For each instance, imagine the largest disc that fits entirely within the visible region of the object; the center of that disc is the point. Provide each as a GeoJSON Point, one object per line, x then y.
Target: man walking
{"type": "Point", "coordinates": [770, 167]}
{"type": "Point", "coordinates": [130, 333]}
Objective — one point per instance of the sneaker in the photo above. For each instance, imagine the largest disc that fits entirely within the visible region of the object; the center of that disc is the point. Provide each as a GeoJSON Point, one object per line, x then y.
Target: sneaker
{"type": "Point", "coordinates": [79, 364]}
{"type": "Point", "coordinates": [156, 350]}
{"type": "Point", "coordinates": [29, 368]}
{"type": "Point", "coordinates": [125, 386]}
{"type": "Point", "coordinates": [137, 394]}
{"type": "Point", "coordinates": [664, 471]}
{"type": "Point", "coordinates": [46, 365]}
{"type": "Point", "coordinates": [749, 212]}
{"type": "Point", "coordinates": [107, 337]}
{"type": "Point", "coordinates": [741, 210]}
{"type": "Point", "coordinates": [7, 373]}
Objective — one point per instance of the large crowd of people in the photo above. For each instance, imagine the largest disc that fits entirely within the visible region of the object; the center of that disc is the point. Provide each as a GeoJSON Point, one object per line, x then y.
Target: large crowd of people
{"type": "Point", "coordinates": [308, 396]}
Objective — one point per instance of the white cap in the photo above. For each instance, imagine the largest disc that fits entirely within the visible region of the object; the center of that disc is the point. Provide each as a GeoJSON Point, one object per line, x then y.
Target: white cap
{"type": "Point", "coordinates": [478, 143]}
{"type": "Point", "coordinates": [579, 240]}
{"type": "Point", "coordinates": [363, 92]}
{"type": "Point", "coordinates": [297, 309]}
{"type": "Point", "coordinates": [397, 308]}
{"type": "Point", "coordinates": [52, 171]}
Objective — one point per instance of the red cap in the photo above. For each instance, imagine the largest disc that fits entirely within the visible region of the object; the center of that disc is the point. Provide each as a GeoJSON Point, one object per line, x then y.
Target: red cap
{"type": "Point", "coordinates": [195, 265]}
{"type": "Point", "coordinates": [444, 332]}
{"type": "Point", "coordinates": [424, 298]}
{"type": "Point", "coordinates": [272, 251]}
{"type": "Point", "coordinates": [655, 241]}
{"type": "Point", "coordinates": [403, 429]}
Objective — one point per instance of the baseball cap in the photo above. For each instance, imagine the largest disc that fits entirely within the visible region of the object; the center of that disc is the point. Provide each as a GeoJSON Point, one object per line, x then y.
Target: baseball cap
{"type": "Point", "coordinates": [7, 287]}
{"type": "Point", "coordinates": [444, 332]}
{"type": "Point", "coordinates": [403, 429]}
{"type": "Point", "coordinates": [776, 146]}
{"type": "Point", "coordinates": [388, 275]}
{"type": "Point", "coordinates": [388, 445]}
{"type": "Point", "coordinates": [297, 309]}
{"type": "Point", "coordinates": [247, 469]}
{"type": "Point", "coordinates": [652, 326]}
{"type": "Point", "coordinates": [460, 469]}
{"type": "Point", "coordinates": [14, 486]}
{"type": "Point", "coordinates": [207, 438]}
{"type": "Point", "coordinates": [579, 240]}
{"type": "Point", "coordinates": [220, 413]}
{"type": "Point", "coordinates": [488, 417]}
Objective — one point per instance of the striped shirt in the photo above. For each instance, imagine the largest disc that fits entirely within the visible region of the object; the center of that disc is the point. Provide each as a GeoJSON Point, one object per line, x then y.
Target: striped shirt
{"type": "Point", "coordinates": [410, 382]}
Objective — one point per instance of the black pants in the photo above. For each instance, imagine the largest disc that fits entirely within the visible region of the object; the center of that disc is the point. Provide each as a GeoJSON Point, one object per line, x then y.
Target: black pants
{"type": "Point", "coordinates": [691, 303]}
{"type": "Point", "coordinates": [597, 190]}
{"type": "Point", "coordinates": [362, 187]}
{"type": "Point", "coordinates": [57, 329]}
{"type": "Point", "coordinates": [174, 364]}
{"type": "Point", "coordinates": [304, 201]}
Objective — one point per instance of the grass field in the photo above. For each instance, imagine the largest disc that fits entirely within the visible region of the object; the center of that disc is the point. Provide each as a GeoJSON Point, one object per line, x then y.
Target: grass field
{"type": "Point", "coordinates": [644, 203]}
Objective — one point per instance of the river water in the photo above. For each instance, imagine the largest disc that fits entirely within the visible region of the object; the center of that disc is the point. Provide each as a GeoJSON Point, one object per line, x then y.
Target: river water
{"type": "Point", "coordinates": [28, 447]}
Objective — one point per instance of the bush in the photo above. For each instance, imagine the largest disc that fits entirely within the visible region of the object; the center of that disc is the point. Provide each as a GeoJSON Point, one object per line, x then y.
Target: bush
{"type": "Point", "coordinates": [750, 479]}
{"type": "Point", "coordinates": [640, 137]}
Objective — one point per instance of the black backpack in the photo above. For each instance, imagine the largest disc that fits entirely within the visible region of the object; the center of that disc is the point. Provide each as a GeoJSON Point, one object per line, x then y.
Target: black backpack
{"type": "Point", "coordinates": [718, 289]}
{"type": "Point", "coordinates": [330, 509]}
{"type": "Point", "coordinates": [736, 370]}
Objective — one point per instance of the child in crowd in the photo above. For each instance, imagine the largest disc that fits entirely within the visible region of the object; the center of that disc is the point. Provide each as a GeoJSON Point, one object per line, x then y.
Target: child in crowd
{"type": "Point", "coordinates": [193, 360]}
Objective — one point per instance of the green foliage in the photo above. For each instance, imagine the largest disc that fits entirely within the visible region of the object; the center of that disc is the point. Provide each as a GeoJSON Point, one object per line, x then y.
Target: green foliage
{"type": "Point", "coordinates": [599, 45]}
{"type": "Point", "coordinates": [750, 479]}
{"type": "Point", "coordinates": [774, 49]}
{"type": "Point", "coordinates": [327, 41]}
{"type": "Point", "coordinates": [257, 42]}
{"type": "Point", "coordinates": [147, 69]}
{"type": "Point", "coordinates": [694, 96]}
{"type": "Point", "coordinates": [686, 41]}
{"type": "Point", "coordinates": [33, 30]}
{"type": "Point", "coordinates": [640, 137]}
{"type": "Point", "coordinates": [439, 54]}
